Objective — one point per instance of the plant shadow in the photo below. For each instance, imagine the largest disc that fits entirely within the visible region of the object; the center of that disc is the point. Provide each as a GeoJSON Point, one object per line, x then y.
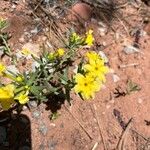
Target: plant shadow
{"type": "Point", "coordinates": [15, 131]}
{"type": "Point", "coordinates": [55, 102]}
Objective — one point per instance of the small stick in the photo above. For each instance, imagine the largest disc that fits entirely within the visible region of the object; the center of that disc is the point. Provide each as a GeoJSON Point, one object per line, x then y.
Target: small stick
{"type": "Point", "coordinates": [100, 129]}
{"type": "Point", "coordinates": [79, 124]}
{"type": "Point", "coordinates": [129, 65]}
{"type": "Point", "coordinates": [38, 5]}
{"type": "Point", "coordinates": [123, 135]}
{"type": "Point", "coordinates": [95, 146]}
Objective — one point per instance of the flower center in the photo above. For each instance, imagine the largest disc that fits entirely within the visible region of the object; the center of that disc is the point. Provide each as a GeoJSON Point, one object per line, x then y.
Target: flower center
{"type": "Point", "coordinates": [85, 84]}
{"type": "Point", "coordinates": [96, 68]}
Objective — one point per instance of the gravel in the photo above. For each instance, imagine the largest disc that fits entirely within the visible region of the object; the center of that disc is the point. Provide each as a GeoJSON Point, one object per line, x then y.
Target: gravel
{"type": "Point", "coordinates": [36, 114]}
{"type": "Point", "coordinates": [130, 49]}
{"type": "Point", "coordinates": [43, 129]}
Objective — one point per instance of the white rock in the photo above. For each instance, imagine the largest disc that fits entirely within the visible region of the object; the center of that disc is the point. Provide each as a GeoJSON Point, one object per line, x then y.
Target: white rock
{"type": "Point", "coordinates": [130, 49]}
{"type": "Point", "coordinates": [13, 69]}
{"type": "Point", "coordinates": [19, 55]}
{"type": "Point", "coordinates": [34, 31]}
{"type": "Point", "coordinates": [140, 100]}
{"type": "Point", "coordinates": [116, 78]}
{"type": "Point", "coordinates": [102, 54]}
{"type": "Point", "coordinates": [35, 65]}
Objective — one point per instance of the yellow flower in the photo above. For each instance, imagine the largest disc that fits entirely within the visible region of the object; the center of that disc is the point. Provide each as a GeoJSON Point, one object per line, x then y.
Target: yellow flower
{"type": "Point", "coordinates": [92, 56]}
{"type": "Point", "coordinates": [75, 37]}
{"type": "Point", "coordinates": [2, 69]}
{"type": "Point", "coordinates": [96, 70]}
{"type": "Point", "coordinates": [26, 51]}
{"type": "Point", "coordinates": [86, 86]}
{"type": "Point", "coordinates": [60, 52]}
{"type": "Point", "coordinates": [89, 38]}
{"type": "Point", "coordinates": [22, 97]}
{"type": "Point", "coordinates": [51, 56]}
{"type": "Point", "coordinates": [19, 78]}
{"type": "Point", "coordinates": [7, 96]}
{"type": "Point", "coordinates": [1, 19]}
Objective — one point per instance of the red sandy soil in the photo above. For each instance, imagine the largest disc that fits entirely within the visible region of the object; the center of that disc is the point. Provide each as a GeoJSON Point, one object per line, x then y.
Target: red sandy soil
{"type": "Point", "coordinates": [105, 118]}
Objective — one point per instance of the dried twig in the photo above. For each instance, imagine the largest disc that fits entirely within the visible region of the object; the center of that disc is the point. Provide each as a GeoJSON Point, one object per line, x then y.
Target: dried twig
{"type": "Point", "coordinates": [121, 141]}
{"type": "Point", "coordinates": [95, 146]}
{"type": "Point", "coordinates": [129, 65]}
{"type": "Point", "coordinates": [79, 123]}
{"type": "Point", "coordinates": [100, 128]}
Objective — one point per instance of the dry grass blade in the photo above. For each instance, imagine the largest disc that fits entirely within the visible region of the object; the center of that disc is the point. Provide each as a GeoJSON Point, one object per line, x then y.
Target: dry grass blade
{"type": "Point", "coordinates": [95, 146]}
{"type": "Point", "coordinates": [100, 128]}
{"type": "Point", "coordinates": [121, 141]}
{"type": "Point", "coordinates": [79, 124]}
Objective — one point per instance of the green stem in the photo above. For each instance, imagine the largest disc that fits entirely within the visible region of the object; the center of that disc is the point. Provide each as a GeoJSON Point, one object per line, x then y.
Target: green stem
{"type": "Point", "coordinates": [5, 43]}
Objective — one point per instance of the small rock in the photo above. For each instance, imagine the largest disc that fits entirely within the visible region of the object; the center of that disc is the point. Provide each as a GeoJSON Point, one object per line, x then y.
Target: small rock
{"type": "Point", "coordinates": [107, 106]}
{"type": "Point", "coordinates": [24, 108]}
{"type": "Point", "coordinates": [3, 134]}
{"type": "Point", "coordinates": [19, 55]}
{"type": "Point", "coordinates": [81, 11]}
{"type": "Point", "coordinates": [13, 6]}
{"type": "Point", "coordinates": [13, 69]}
{"type": "Point", "coordinates": [52, 145]}
{"type": "Point", "coordinates": [130, 49]}
{"type": "Point", "coordinates": [35, 30]}
{"type": "Point", "coordinates": [102, 29]}
{"type": "Point", "coordinates": [41, 147]}
{"type": "Point", "coordinates": [102, 54]}
{"type": "Point", "coordinates": [140, 100]}
{"type": "Point", "coordinates": [34, 48]}
{"type": "Point", "coordinates": [36, 114]}
{"type": "Point", "coordinates": [53, 124]}
{"type": "Point", "coordinates": [115, 78]}
{"type": "Point", "coordinates": [43, 129]}
{"type": "Point", "coordinates": [33, 104]}
{"type": "Point", "coordinates": [22, 39]}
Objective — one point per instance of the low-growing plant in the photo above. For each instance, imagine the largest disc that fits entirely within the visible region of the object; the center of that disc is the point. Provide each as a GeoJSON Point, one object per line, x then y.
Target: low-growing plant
{"type": "Point", "coordinates": [4, 37]}
{"type": "Point", "coordinates": [55, 75]}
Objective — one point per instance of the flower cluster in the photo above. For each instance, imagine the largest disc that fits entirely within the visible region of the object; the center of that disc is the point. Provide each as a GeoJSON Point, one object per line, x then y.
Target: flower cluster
{"type": "Point", "coordinates": [76, 40]}
{"type": "Point", "coordinates": [51, 74]}
{"type": "Point", "coordinates": [93, 76]}
{"type": "Point", "coordinates": [14, 92]}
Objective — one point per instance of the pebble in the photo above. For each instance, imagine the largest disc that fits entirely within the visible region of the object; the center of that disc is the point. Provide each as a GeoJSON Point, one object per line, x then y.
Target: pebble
{"type": "Point", "coordinates": [22, 39]}
{"type": "Point", "coordinates": [81, 10]}
{"type": "Point", "coordinates": [102, 54]}
{"type": "Point", "coordinates": [33, 104]}
{"type": "Point", "coordinates": [43, 129]}
{"type": "Point", "coordinates": [102, 29]}
{"type": "Point", "coordinates": [140, 100]}
{"type": "Point", "coordinates": [53, 124]}
{"type": "Point", "coordinates": [36, 114]}
{"type": "Point", "coordinates": [130, 49]}
{"type": "Point", "coordinates": [3, 134]}
{"type": "Point", "coordinates": [107, 106]}
{"type": "Point", "coordinates": [41, 147]}
{"type": "Point", "coordinates": [34, 48]}
{"type": "Point", "coordinates": [52, 145]}
{"type": "Point", "coordinates": [13, 69]}
{"type": "Point", "coordinates": [35, 30]}
{"type": "Point", "coordinates": [116, 78]}
{"type": "Point", "coordinates": [24, 108]}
